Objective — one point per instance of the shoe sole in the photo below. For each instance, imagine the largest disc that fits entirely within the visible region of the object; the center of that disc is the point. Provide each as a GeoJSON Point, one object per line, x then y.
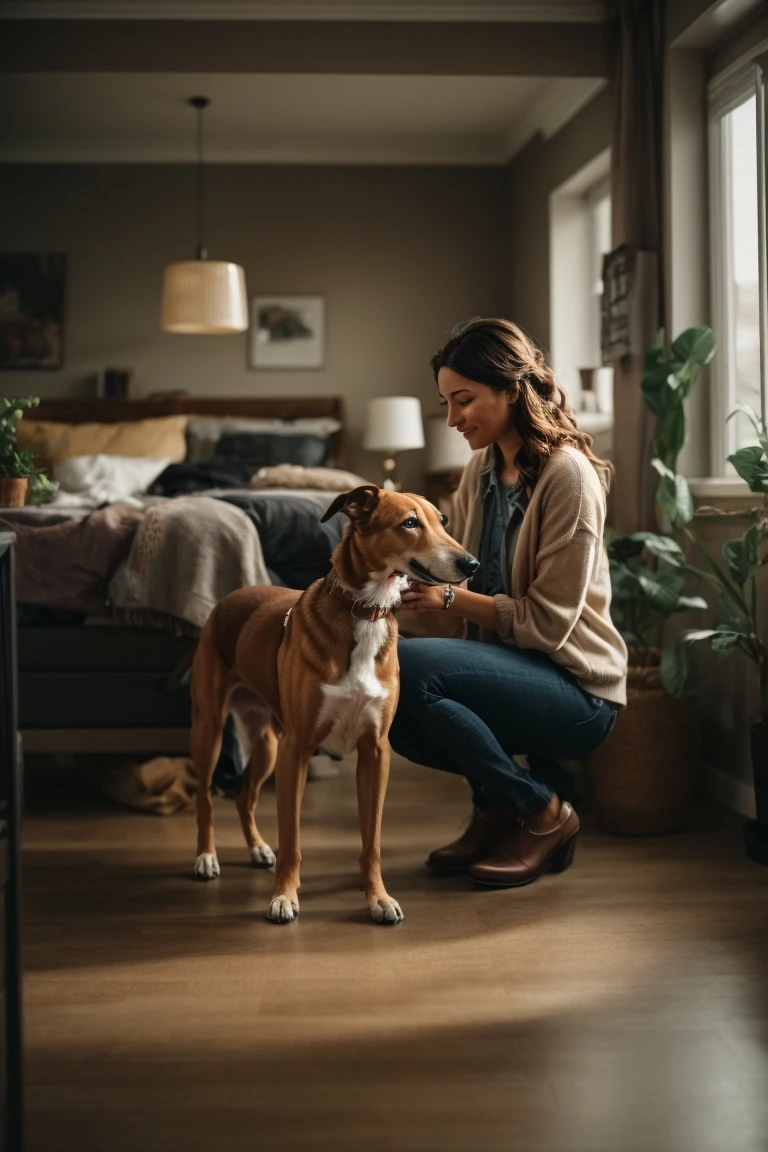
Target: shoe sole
{"type": "Point", "coordinates": [559, 861]}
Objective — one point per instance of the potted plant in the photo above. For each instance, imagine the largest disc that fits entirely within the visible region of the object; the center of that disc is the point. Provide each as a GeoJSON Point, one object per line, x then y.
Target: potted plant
{"type": "Point", "coordinates": [738, 626]}
{"type": "Point", "coordinates": [644, 777]}
{"type": "Point", "coordinates": [21, 478]}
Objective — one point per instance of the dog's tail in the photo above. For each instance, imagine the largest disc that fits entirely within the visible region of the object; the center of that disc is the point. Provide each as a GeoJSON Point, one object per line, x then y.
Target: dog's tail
{"type": "Point", "coordinates": [182, 667]}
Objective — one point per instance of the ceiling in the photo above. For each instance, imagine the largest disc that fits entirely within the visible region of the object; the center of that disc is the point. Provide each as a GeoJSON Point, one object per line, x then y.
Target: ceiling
{"type": "Point", "coordinates": [543, 11]}
{"type": "Point", "coordinates": [109, 117]}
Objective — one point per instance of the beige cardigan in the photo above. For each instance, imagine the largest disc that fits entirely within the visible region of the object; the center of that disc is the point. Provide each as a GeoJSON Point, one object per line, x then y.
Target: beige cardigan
{"type": "Point", "coordinates": [560, 571]}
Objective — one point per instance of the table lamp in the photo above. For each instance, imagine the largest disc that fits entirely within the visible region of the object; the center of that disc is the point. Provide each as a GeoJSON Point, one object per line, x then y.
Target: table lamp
{"type": "Point", "coordinates": [447, 451]}
{"type": "Point", "coordinates": [393, 425]}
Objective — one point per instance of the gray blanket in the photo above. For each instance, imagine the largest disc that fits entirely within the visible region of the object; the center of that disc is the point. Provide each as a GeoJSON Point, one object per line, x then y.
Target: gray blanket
{"type": "Point", "coordinates": [189, 552]}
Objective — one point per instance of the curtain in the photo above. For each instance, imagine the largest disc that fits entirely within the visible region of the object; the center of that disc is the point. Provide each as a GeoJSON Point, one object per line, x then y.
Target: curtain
{"type": "Point", "coordinates": [636, 207]}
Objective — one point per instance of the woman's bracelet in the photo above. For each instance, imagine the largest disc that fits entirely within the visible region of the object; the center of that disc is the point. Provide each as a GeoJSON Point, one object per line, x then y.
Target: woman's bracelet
{"type": "Point", "coordinates": [448, 594]}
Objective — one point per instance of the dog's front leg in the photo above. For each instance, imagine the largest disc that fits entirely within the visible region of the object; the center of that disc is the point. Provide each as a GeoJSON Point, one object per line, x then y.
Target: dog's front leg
{"type": "Point", "coordinates": [290, 779]}
{"type": "Point", "coordinates": [372, 777]}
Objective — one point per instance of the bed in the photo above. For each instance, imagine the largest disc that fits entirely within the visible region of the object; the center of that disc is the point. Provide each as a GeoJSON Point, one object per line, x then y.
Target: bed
{"type": "Point", "coordinates": [93, 673]}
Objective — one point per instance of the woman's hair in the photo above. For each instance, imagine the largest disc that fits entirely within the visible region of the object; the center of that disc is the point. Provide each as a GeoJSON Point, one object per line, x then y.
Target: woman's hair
{"type": "Point", "coordinates": [501, 355]}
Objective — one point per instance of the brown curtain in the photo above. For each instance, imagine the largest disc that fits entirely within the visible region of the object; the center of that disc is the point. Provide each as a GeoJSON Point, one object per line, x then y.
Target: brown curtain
{"type": "Point", "coordinates": [636, 206]}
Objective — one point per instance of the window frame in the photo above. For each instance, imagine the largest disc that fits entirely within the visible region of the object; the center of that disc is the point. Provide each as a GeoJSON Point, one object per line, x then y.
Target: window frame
{"type": "Point", "coordinates": [725, 94]}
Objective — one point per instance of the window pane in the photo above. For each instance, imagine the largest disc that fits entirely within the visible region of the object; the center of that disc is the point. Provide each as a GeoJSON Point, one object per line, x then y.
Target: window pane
{"type": "Point", "coordinates": [743, 287]}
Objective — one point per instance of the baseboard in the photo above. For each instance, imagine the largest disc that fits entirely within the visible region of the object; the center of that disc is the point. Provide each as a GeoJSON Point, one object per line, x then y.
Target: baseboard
{"type": "Point", "coordinates": [735, 794]}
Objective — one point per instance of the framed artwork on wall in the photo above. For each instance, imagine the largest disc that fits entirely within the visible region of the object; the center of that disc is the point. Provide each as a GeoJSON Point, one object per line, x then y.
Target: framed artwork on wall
{"type": "Point", "coordinates": [32, 293]}
{"type": "Point", "coordinates": [287, 332]}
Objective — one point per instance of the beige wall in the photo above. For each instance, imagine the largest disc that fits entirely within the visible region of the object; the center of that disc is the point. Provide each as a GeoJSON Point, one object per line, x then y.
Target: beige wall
{"type": "Point", "coordinates": [400, 254]}
{"type": "Point", "coordinates": [535, 173]}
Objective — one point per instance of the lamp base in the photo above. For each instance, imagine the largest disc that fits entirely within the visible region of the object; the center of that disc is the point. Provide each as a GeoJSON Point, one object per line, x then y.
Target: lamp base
{"type": "Point", "coordinates": [389, 467]}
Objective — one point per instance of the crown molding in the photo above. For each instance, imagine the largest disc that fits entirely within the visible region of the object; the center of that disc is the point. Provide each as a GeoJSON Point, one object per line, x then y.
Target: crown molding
{"type": "Point", "coordinates": [332, 152]}
{"type": "Point", "coordinates": [546, 12]}
{"type": "Point", "coordinates": [551, 112]}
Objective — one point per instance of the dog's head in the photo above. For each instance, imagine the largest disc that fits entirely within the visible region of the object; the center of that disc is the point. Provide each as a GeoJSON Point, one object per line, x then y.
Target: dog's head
{"type": "Point", "coordinates": [399, 532]}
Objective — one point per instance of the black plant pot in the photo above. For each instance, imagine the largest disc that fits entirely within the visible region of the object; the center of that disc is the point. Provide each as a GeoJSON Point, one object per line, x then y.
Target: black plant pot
{"type": "Point", "coordinates": [756, 831]}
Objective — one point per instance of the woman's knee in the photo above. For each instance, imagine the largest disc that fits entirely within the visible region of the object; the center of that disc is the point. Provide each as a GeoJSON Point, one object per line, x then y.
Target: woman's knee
{"type": "Point", "coordinates": [420, 668]}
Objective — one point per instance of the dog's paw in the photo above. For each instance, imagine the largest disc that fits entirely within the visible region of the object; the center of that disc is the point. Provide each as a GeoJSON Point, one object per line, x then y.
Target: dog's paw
{"type": "Point", "coordinates": [262, 856]}
{"type": "Point", "coordinates": [385, 910]}
{"type": "Point", "coordinates": [282, 911]}
{"type": "Point", "coordinates": [207, 867]}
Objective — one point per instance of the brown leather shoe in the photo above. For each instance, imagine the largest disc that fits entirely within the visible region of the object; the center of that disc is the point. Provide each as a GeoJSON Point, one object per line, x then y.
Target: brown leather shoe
{"type": "Point", "coordinates": [486, 829]}
{"type": "Point", "coordinates": [524, 855]}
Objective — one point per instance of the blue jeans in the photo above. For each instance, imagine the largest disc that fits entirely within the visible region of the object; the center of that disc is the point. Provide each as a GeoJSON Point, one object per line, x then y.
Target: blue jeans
{"type": "Point", "coordinates": [469, 707]}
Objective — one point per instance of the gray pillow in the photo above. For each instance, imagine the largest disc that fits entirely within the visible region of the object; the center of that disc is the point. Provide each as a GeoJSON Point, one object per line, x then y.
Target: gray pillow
{"type": "Point", "coordinates": [204, 432]}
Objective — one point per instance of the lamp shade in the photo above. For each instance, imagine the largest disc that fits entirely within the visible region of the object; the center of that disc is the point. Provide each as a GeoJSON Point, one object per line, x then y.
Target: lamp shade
{"type": "Point", "coordinates": [206, 296]}
{"type": "Point", "coordinates": [447, 450]}
{"type": "Point", "coordinates": [393, 424]}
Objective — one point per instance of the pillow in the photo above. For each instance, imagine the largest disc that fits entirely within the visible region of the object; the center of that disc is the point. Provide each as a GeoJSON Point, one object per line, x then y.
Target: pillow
{"type": "Point", "coordinates": [262, 449]}
{"type": "Point", "coordinates": [296, 476]}
{"type": "Point", "coordinates": [52, 441]}
{"type": "Point", "coordinates": [107, 479]}
{"type": "Point", "coordinates": [204, 432]}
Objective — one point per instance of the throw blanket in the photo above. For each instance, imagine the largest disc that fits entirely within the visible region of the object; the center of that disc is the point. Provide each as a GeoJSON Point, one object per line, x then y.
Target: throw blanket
{"type": "Point", "coordinates": [188, 554]}
{"type": "Point", "coordinates": [67, 566]}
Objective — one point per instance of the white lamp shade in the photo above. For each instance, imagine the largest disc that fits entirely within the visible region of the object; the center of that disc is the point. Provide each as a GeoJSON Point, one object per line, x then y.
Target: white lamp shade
{"type": "Point", "coordinates": [205, 296]}
{"type": "Point", "coordinates": [393, 424]}
{"type": "Point", "coordinates": [447, 450]}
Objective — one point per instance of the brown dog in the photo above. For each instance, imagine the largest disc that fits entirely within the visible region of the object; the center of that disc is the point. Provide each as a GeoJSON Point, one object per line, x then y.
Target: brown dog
{"type": "Point", "coordinates": [317, 669]}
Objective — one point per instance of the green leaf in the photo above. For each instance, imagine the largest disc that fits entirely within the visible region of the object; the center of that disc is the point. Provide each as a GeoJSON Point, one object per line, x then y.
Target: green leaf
{"type": "Point", "coordinates": [752, 465]}
{"type": "Point", "coordinates": [696, 345]}
{"type": "Point", "coordinates": [653, 385]}
{"type": "Point", "coordinates": [674, 668]}
{"type": "Point", "coordinates": [662, 546]}
{"type": "Point", "coordinates": [741, 555]}
{"type": "Point", "coordinates": [673, 497]}
{"type": "Point", "coordinates": [724, 642]}
{"type": "Point", "coordinates": [688, 603]}
{"type": "Point", "coordinates": [662, 599]}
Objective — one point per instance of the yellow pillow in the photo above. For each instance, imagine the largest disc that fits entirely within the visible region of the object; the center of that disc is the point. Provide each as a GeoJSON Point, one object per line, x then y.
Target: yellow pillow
{"type": "Point", "coordinates": [51, 441]}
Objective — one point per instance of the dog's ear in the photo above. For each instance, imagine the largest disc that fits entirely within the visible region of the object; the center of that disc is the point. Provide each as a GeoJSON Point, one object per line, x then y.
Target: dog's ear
{"type": "Point", "coordinates": [357, 504]}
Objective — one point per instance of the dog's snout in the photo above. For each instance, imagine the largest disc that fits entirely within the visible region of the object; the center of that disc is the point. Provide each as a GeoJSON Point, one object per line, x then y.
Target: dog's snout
{"type": "Point", "coordinates": [467, 565]}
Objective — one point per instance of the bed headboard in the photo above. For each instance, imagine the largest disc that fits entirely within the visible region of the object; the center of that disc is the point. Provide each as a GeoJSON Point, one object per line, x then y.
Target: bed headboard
{"type": "Point", "coordinates": [113, 411]}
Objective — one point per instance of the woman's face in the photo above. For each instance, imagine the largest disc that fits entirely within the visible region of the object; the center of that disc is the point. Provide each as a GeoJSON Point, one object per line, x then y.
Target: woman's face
{"type": "Point", "coordinates": [477, 411]}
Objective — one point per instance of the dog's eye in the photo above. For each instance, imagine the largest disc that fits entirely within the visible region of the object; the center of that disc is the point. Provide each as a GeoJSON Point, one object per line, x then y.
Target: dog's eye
{"type": "Point", "coordinates": [443, 519]}
{"type": "Point", "coordinates": [411, 522]}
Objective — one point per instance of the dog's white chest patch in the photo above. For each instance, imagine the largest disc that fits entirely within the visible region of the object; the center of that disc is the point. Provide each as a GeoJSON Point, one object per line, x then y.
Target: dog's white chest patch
{"type": "Point", "coordinates": [354, 703]}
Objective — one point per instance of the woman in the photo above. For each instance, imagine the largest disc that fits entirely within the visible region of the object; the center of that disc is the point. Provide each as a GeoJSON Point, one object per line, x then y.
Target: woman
{"type": "Point", "coordinates": [543, 671]}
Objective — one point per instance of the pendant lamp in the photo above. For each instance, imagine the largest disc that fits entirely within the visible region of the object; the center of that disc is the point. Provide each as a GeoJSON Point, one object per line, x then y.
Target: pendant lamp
{"type": "Point", "coordinates": [202, 295]}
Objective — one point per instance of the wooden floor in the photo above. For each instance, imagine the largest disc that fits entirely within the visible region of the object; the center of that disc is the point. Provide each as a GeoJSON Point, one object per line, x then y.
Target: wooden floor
{"type": "Point", "coordinates": [620, 1007]}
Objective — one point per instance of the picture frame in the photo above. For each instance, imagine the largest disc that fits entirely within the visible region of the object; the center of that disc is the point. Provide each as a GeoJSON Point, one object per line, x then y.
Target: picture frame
{"type": "Point", "coordinates": [32, 299]}
{"type": "Point", "coordinates": [287, 332]}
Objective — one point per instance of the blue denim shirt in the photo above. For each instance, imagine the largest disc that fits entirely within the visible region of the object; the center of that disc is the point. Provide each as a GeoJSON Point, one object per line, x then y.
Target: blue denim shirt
{"type": "Point", "coordinates": [503, 511]}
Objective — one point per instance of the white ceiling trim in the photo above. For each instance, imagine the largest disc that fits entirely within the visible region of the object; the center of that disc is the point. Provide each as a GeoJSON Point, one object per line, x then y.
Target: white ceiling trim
{"type": "Point", "coordinates": [545, 12]}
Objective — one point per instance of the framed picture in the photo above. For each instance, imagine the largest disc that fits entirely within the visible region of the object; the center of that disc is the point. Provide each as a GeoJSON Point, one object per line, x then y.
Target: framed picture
{"type": "Point", "coordinates": [32, 290]}
{"type": "Point", "coordinates": [287, 332]}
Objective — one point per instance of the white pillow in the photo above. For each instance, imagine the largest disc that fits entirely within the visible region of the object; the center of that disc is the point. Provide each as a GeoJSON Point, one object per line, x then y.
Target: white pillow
{"type": "Point", "coordinates": [108, 478]}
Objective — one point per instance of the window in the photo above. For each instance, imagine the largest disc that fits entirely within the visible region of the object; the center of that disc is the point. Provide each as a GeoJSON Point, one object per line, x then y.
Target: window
{"type": "Point", "coordinates": [737, 178]}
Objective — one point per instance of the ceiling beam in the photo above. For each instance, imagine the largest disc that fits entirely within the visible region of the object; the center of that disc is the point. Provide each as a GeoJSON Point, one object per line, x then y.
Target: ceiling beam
{"type": "Point", "coordinates": [343, 47]}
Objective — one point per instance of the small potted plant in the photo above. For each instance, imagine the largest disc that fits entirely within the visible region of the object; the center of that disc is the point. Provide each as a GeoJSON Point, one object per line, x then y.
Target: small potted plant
{"type": "Point", "coordinates": [644, 777]}
{"type": "Point", "coordinates": [21, 478]}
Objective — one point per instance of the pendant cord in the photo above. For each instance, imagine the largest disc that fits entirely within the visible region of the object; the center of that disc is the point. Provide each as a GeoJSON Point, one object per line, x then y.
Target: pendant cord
{"type": "Point", "coordinates": [200, 103]}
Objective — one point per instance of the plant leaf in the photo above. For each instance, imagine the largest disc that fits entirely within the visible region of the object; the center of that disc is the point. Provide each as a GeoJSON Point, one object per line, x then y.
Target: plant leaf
{"type": "Point", "coordinates": [752, 465]}
{"type": "Point", "coordinates": [696, 345]}
{"type": "Point", "coordinates": [741, 555]}
{"type": "Point", "coordinates": [674, 668]}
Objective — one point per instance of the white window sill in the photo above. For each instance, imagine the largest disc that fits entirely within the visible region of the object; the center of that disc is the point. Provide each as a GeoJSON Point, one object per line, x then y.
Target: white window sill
{"type": "Point", "coordinates": [720, 488]}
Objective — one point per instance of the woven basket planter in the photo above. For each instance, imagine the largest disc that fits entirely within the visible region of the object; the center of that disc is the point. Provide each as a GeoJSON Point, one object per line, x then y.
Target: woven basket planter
{"type": "Point", "coordinates": [643, 777]}
{"type": "Point", "coordinates": [13, 493]}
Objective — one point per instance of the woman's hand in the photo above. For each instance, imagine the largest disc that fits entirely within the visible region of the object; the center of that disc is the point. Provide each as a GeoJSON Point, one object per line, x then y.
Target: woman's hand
{"type": "Point", "coordinates": [423, 598]}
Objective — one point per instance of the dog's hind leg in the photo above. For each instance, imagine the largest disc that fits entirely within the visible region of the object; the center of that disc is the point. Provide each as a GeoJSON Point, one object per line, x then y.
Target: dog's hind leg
{"type": "Point", "coordinates": [291, 777]}
{"type": "Point", "coordinates": [372, 776]}
{"type": "Point", "coordinates": [260, 767]}
{"type": "Point", "coordinates": [209, 699]}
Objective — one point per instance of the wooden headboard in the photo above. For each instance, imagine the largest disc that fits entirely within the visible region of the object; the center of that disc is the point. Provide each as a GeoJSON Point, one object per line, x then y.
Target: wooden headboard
{"type": "Point", "coordinates": [112, 411]}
